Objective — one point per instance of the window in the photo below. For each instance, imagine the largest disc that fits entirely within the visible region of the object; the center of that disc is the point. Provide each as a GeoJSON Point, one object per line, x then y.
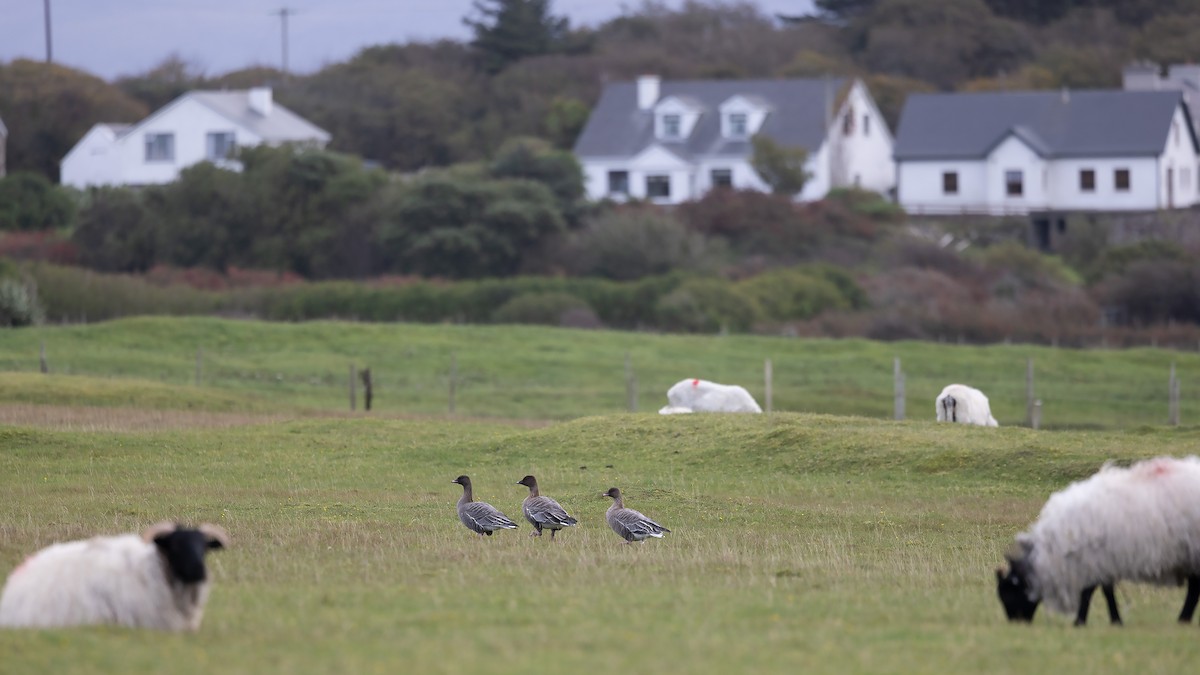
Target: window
{"type": "Point", "coordinates": [658, 187]}
{"type": "Point", "coordinates": [160, 147]}
{"type": "Point", "coordinates": [618, 182]}
{"type": "Point", "coordinates": [1121, 180]}
{"type": "Point", "coordinates": [218, 145]}
{"type": "Point", "coordinates": [1087, 180]}
{"type": "Point", "coordinates": [848, 123]}
{"type": "Point", "coordinates": [866, 125]}
{"type": "Point", "coordinates": [1014, 183]}
{"type": "Point", "coordinates": [671, 126]}
{"type": "Point", "coordinates": [738, 124]}
{"type": "Point", "coordinates": [950, 182]}
{"type": "Point", "coordinates": [722, 178]}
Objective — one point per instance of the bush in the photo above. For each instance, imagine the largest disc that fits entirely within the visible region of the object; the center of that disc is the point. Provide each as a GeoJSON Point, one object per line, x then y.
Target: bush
{"type": "Point", "coordinates": [786, 295]}
{"type": "Point", "coordinates": [634, 242]}
{"type": "Point", "coordinates": [706, 306]}
{"type": "Point", "coordinates": [19, 304]}
{"type": "Point", "coordinates": [30, 202]}
{"type": "Point", "coordinates": [547, 308]}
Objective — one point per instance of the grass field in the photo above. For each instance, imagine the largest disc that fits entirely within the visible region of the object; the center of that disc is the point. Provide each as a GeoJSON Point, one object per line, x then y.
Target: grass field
{"type": "Point", "coordinates": [800, 541]}
{"type": "Point", "coordinates": [546, 373]}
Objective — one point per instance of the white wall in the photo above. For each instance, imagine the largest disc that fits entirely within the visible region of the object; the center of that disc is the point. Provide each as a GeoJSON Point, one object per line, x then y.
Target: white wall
{"type": "Point", "coordinates": [919, 186]}
{"type": "Point", "coordinates": [191, 123]}
{"type": "Point", "coordinates": [868, 149]}
{"type": "Point", "coordinates": [1141, 196]}
{"type": "Point", "coordinates": [654, 161]}
{"type": "Point", "coordinates": [1012, 154]}
{"type": "Point", "coordinates": [93, 160]}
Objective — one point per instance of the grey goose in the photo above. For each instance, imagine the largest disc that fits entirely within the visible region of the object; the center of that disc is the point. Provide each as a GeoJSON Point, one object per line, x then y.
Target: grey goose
{"type": "Point", "coordinates": [543, 512]}
{"type": "Point", "coordinates": [480, 517]}
{"type": "Point", "coordinates": [631, 525]}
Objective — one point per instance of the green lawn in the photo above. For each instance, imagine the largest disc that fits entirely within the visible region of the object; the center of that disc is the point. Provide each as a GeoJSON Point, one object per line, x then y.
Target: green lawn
{"type": "Point", "coordinates": [800, 543]}
{"type": "Point", "coordinates": [547, 373]}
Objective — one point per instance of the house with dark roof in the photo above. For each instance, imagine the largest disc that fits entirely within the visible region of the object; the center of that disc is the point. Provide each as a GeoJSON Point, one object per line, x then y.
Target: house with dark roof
{"type": "Point", "coordinates": [1046, 151]}
{"type": "Point", "coordinates": [671, 141]}
{"type": "Point", "coordinates": [196, 127]}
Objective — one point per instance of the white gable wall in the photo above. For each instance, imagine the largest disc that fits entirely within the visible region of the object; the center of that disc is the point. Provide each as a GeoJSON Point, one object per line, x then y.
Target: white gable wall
{"type": "Point", "coordinates": [1013, 154]}
{"type": "Point", "coordinates": [93, 160]}
{"type": "Point", "coordinates": [1177, 187]}
{"type": "Point", "coordinates": [866, 152]}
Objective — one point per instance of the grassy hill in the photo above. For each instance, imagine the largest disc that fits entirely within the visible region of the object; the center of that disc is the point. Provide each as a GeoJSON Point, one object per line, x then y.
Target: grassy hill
{"type": "Point", "coordinates": [800, 542]}
{"type": "Point", "coordinates": [548, 373]}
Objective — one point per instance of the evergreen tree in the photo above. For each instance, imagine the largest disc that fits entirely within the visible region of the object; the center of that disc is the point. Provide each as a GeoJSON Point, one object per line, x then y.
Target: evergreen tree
{"type": "Point", "coordinates": [510, 30]}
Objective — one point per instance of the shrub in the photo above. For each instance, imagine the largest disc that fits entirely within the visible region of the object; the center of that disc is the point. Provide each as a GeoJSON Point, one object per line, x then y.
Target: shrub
{"type": "Point", "coordinates": [634, 242]}
{"type": "Point", "coordinates": [30, 202]}
{"type": "Point", "coordinates": [19, 304]}
{"type": "Point", "coordinates": [706, 306]}
{"type": "Point", "coordinates": [547, 308]}
{"type": "Point", "coordinates": [786, 295]}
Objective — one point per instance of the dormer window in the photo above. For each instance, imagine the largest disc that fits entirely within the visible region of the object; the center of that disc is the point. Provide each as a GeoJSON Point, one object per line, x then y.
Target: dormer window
{"type": "Point", "coordinates": [738, 125]}
{"type": "Point", "coordinates": [671, 125]}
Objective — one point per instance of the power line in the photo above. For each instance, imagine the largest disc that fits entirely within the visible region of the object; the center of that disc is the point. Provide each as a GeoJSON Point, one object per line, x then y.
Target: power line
{"type": "Point", "coordinates": [283, 13]}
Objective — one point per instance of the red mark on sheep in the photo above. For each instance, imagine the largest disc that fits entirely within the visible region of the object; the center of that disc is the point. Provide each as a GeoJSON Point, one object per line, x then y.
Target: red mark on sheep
{"type": "Point", "coordinates": [696, 382]}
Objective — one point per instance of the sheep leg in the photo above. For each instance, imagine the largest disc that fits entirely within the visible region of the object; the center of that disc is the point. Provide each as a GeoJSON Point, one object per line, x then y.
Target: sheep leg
{"type": "Point", "coordinates": [1189, 604]}
{"type": "Point", "coordinates": [1085, 599]}
{"type": "Point", "coordinates": [1111, 598]}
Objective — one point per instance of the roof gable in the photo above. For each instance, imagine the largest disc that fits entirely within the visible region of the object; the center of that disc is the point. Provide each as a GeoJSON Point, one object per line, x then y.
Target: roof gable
{"type": "Point", "coordinates": [799, 116]}
{"type": "Point", "coordinates": [1067, 124]}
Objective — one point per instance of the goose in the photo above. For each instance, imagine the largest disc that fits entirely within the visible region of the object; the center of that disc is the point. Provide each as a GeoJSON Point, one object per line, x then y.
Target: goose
{"type": "Point", "coordinates": [480, 517]}
{"type": "Point", "coordinates": [631, 525]}
{"type": "Point", "coordinates": [543, 512]}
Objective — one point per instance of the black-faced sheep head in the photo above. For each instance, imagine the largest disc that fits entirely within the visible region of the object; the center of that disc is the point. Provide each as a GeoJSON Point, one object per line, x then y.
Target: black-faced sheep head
{"type": "Point", "coordinates": [1013, 588]}
{"type": "Point", "coordinates": [184, 549]}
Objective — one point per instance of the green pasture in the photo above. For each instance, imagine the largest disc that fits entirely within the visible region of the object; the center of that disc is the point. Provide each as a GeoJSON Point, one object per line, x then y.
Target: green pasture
{"type": "Point", "coordinates": [800, 543]}
{"type": "Point", "coordinates": [529, 372]}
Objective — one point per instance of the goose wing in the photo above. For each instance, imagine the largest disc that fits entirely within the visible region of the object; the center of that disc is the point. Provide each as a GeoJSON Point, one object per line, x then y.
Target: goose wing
{"type": "Point", "coordinates": [632, 524]}
{"type": "Point", "coordinates": [545, 511]}
{"type": "Point", "coordinates": [483, 517]}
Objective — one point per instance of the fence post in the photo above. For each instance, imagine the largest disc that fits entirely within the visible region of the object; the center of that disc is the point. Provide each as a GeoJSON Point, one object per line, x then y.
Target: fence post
{"type": "Point", "coordinates": [1035, 420]}
{"type": "Point", "coordinates": [1029, 402]}
{"type": "Point", "coordinates": [768, 376]}
{"type": "Point", "coordinates": [199, 365]}
{"type": "Point", "coordinates": [453, 378]}
{"type": "Point", "coordinates": [898, 384]}
{"type": "Point", "coordinates": [630, 385]}
{"type": "Point", "coordinates": [42, 359]}
{"type": "Point", "coordinates": [1173, 398]}
{"type": "Point", "coordinates": [365, 374]}
{"type": "Point", "coordinates": [353, 394]}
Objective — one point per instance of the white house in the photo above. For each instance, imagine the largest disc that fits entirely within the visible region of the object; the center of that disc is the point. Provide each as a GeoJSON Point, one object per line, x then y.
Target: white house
{"type": "Point", "coordinates": [673, 141]}
{"type": "Point", "coordinates": [1032, 152]}
{"type": "Point", "coordinates": [198, 126]}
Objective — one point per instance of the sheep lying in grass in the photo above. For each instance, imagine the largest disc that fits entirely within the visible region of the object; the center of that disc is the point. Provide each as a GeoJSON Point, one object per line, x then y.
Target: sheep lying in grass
{"type": "Point", "coordinates": [155, 580]}
{"type": "Point", "coordinates": [1140, 523]}
{"type": "Point", "coordinates": [965, 405]}
{"type": "Point", "coordinates": [704, 396]}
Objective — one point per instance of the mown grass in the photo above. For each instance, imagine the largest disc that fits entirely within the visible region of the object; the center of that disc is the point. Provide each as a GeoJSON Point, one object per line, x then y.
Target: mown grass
{"type": "Point", "coordinates": [811, 542]}
{"type": "Point", "coordinates": [524, 372]}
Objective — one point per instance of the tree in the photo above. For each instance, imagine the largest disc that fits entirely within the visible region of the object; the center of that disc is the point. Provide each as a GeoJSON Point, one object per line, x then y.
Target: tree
{"type": "Point", "coordinates": [781, 168]}
{"type": "Point", "coordinates": [48, 108]}
{"type": "Point", "coordinates": [534, 159]}
{"type": "Point", "coordinates": [165, 82]}
{"type": "Point", "coordinates": [510, 30]}
{"type": "Point", "coordinates": [30, 202]}
{"type": "Point", "coordinates": [116, 232]}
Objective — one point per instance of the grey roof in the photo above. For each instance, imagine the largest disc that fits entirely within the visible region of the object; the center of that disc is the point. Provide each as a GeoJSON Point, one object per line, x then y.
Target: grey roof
{"type": "Point", "coordinates": [1091, 123]}
{"type": "Point", "coordinates": [798, 109]}
{"type": "Point", "coordinates": [279, 126]}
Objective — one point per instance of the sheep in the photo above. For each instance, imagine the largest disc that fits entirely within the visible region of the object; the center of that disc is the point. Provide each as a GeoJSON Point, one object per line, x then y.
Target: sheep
{"type": "Point", "coordinates": [704, 396]}
{"type": "Point", "coordinates": [156, 580]}
{"type": "Point", "coordinates": [1140, 523]}
{"type": "Point", "coordinates": [966, 405]}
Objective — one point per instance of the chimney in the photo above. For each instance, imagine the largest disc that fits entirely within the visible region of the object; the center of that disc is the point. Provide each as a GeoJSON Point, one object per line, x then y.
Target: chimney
{"type": "Point", "coordinates": [647, 91]}
{"type": "Point", "coordinates": [260, 100]}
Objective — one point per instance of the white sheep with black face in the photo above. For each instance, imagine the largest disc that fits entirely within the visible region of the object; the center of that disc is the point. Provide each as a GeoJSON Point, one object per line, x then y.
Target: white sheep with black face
{"type": "Point", "coordinates": [695, 395]}
{"type": "Point", "coordinates": [965, 405]}
{"type": "Point", "coordinates": [154, 580]}
{"type": "Point", "coordinates": [1140, 523]}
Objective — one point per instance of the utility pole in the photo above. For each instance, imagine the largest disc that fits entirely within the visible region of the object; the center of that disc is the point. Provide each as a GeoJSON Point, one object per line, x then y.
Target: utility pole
{"type": "Point", "coordinates": [49, 47]}
{"type": "Point", "coordinates": [283, 13]}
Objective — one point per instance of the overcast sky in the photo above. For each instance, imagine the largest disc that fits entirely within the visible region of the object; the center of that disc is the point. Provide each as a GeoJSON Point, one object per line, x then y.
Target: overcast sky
{"type": "Point", "coordinates": [119, 37]}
